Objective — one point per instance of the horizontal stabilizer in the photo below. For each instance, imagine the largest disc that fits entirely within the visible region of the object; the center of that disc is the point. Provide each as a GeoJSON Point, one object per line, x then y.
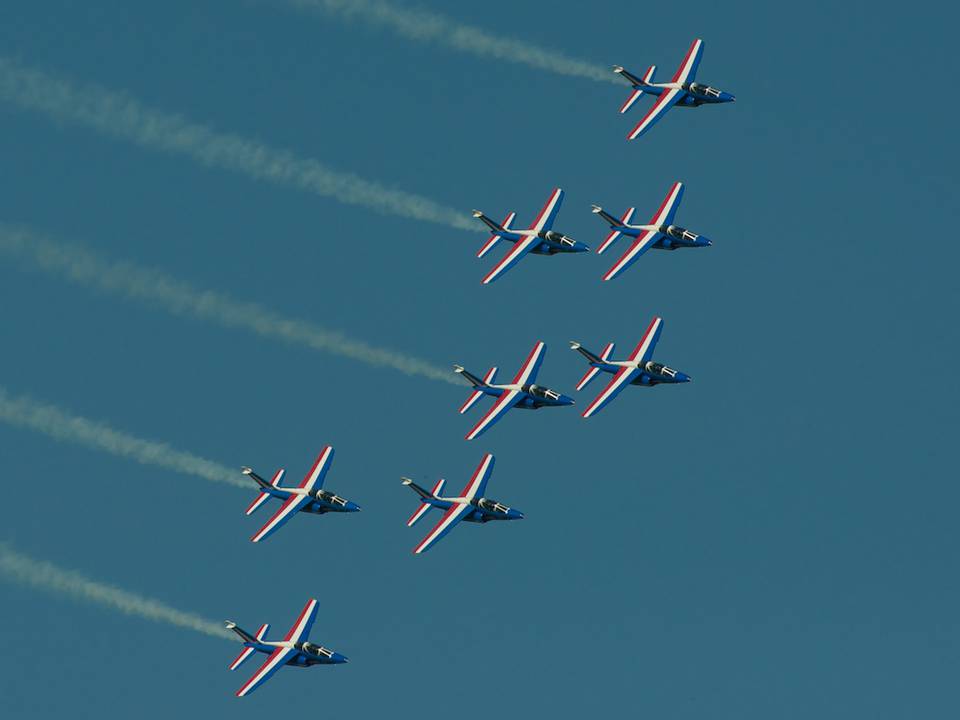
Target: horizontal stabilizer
{"type": "Point", "coordinates": [424, 506]}
{"type": "Point", "coordinates": [257, 502]}
{"type": "Point", "coordinates": [247, 651]}
{"type": "Point", "coordinates": [592, 371]}
{"type": "Point", "coordinates": [477, 394]}
{"type": "Point", "coordinates": [614, 223]}
{"type": "Point", "coordinates": [498, 231]}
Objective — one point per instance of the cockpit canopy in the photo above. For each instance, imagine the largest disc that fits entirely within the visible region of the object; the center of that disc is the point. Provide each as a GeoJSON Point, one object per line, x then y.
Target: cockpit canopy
{"type": "Point", "coordinates": [701, 89]}
{"type": "Point", "coordinates": [555, 237]}
{"type": "Point", "coordinates": [492, 506]}
{"type": "Point", "coordinates": [655, 368]}
{"type": "Point", "coordinates": [543, 393]}
{"type": "Point", "coordinates": [311, 649]}
{"type": "Point", "coordinates": [329, 497]}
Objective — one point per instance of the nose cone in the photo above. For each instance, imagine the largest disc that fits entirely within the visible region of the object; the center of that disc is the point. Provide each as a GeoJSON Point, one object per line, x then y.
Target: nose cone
{"type": "Point", "coordinates": [581, 247]}
{"type": "Point", "coordinates": [339, 659]}
{"type": "Point", "coordinates": [704, 241]}
{"type": "Point", "coordinates": [352, 507]}
{"type": "Point", "coordinates": [566, 400]}
{"type": "Point", "coordinates": [727, 97]}
{"type": "Point", "coordinates": [683, 377]}
{"type": "Point", "coordinates": [515, 514]}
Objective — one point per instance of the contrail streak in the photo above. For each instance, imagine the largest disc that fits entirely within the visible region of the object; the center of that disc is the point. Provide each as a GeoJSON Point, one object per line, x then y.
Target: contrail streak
{"type": "Point", "coordinates": [26, 570]}
{"type": "Point", "coordinates": [179, 298]}
{"type": "Point", "coordinates": [23, 411]}
{"type": "Point", "coordinates": [121, 116]}
{"type": "Point", "coordinates": [425, 26]}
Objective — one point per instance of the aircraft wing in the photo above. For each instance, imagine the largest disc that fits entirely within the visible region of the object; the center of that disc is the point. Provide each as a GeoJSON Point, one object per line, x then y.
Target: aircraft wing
{"type": "Point", "coordinates": [687, 71]}
{"type": "Point", "coordinates": [314, 478]}
{"type": "Point", "coordinates": [290, 507]}
{"type": "Point", "coordinates": [450, 518]}
{"type": "Point", "coordinates": [638, 248]}
{"type": "Point", "coordinates": [531, 366]}
{"type": "Point", "coordinates": [548, 213]}
{"type": "Point", "coordinates": [301, 628]}
{"type": "Point", "coordinates": [659, 108]}
{"type": "Point", "coordinates": [276, 660]}
{"type": "Point", "coordinates": [620, 380]}
{"type": "Point", "coordinates": [516, 253]}
{"type": "Point", "coordinates": [543, 222]}
{"type": "Point", "coordinates": [669, 206]}
{"type": "Point", "coordinates": [644, 349]}
{"type": "Point", "coordinates": [663, 216]}
{"type": "Point", "coordinates": [478, 482]}
{"type": "Point", "coordinates": [506, 401]}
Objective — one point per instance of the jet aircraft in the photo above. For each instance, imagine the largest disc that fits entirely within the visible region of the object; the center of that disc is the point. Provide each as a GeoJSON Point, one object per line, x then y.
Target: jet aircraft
{"type": "Point", "coordinates": [538, 239]}
{"type": "Point", "coordinates": [681, 91]}
{"type": "Point", "coordinates": [521, 393]}
{"type": "Point", "coordinates": [660, 233]}
{"type": "Point", "coordinates": [637, 369]}
{"type": "Point", "coordinates": [292, 650]}
{"type": "Point", "coordinates": [469, 506]}
{"type": "Point", "coordinates": [309, 496]}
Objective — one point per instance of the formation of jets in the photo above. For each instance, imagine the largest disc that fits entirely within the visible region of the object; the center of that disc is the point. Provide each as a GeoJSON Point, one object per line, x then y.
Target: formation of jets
{"type": "Point", "coordinates": [471, 505]}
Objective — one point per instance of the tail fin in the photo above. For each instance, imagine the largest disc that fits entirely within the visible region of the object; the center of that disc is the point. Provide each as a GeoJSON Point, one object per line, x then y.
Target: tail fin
{"type": "Point", "coordinates": [424, 506]}
{"type": "Point", "coordinates": [591, 358]}
{"type": "Point", "coordinates": [477, 383]}
{"type": "Point", "coordinates": [498, 230]}
{"type": "Point", "coordinates": [263, 496]}
{"type": "Point", "coordinates": [616, 225]}
{"type": "Point", "coordinates": [247, 638]}
{"type": "Point", "coordinates": [637, 83]}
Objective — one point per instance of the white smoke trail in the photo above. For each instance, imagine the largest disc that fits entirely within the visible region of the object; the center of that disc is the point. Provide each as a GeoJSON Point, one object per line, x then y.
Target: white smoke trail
{"type": "Point", "coordinates": [425, 26]}
{"type": "Point", "coordinates": [121, 116]}
{"type": "Point", "coordinates": [23, 411]}
{"type": "Point", "coordinates": [179, 298]}
{"type": "Point", "coordinates": [26, 570]}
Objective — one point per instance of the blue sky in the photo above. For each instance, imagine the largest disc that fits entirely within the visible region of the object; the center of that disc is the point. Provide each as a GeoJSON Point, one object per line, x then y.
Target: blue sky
{"type": "Point", "coordinates": [778, 537]}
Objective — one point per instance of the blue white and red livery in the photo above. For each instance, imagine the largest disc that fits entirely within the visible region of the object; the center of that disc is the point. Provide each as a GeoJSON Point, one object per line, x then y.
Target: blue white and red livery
{"type": "Point", "coordinates": [681, 91]}
{"type": "Point", "coordinates": [293, 650]}
{"type": "Point", "coordinates": [660, 233]}
{"type": "Point", "coordinates": [522, 393]}
{"type": "Point", "coordinates": [538, 239]}
{"type": "Point", "coordinates": [637, 369]}
{"type": "Point", "coordinates": [468, 506]}
{"type": "Point", "coordinates": [309, 496]}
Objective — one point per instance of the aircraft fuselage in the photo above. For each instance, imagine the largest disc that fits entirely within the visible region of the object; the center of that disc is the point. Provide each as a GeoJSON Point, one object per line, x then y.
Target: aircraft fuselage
{"type": "Point", "coordinates": [695, 94]}
{"type": "Point", "coordinates": [324, 501]}
{"type": "Point", "coordinates": [537, 396]}
{"type": "Point", "coordinates": [484, 509]}
{"type": "Point", "coordinates": [652, 373]}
